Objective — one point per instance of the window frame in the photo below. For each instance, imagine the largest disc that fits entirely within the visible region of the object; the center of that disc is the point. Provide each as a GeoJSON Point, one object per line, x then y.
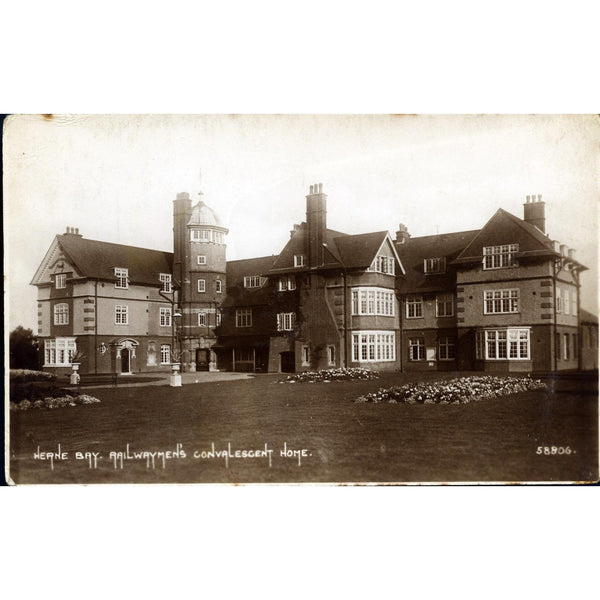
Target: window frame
{"type": "Point", "coordinates": [68, 349]}
{"type": "Point", "coordinates": [201, 262]}
{"type": "Point", "coordinates": [61, 313]}
{"type": "Point", "coordinates": [218, 286]}
{"type": "Point", "coordinates": [62, 277]}
{"type": "Point", "coordinates": [165, 316]}
{"type": "Point", "coordinates": [505, 342]}
{"type": "Point", "coordinates": [286, 283]}
{"type": "Point", "coordinates": [512, 297]}
{"type": "Point", "coordinates": [418, 344]}
{"type": "Point", "coordinates": [414, 302]}
{"type": "Point", "coordinates": [201, 284]}
{"type": "Point", "coordinates": [121, 310]}
{"type": "Point", "coordinates": [373, 346]}
{"type": "Point", "coordinates": [373, 301]}
{"type": "Point", "coordinates": [439, 266]}
{"type": "Point", "coordinates": [167, 282]}
{"type": "Point", "coordinates": [286, 321]}
{"type": "Point", "coordinates": [504, 254]}
{"type": "Point", "coordinates": [252, 281]}
{"type": "Point", "coordinates": [122, 277]}
{"type": "Point", "coordinates": [202, 319]}
{"type": "Point", "coordinates": [243, 317]}
{"type": "Point", "coordinates": [299, 260]}
{"type": "Point", "coordinates": [449, 300]}
{"type": "Point", "coordinates": [165, 352]}
{"type": "Point", "coordinates": [444, 344]}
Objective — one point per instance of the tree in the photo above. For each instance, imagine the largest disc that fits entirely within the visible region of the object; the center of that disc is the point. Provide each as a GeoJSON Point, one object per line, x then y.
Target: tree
{"type": "Point", "coordinates": [24, 349]}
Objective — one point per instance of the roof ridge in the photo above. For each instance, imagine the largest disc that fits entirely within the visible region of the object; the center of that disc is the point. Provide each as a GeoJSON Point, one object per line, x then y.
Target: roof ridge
{"type": "Point", "coordinates": [83, 239]}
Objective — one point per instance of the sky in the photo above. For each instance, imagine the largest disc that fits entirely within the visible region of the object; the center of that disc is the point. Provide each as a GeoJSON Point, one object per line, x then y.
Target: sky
{"type": "Point", "coordinates": [115, 177]}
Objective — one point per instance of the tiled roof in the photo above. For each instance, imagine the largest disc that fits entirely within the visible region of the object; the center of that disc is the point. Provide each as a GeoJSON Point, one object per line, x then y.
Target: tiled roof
{"type": "Point", "coordinates": [237, 294]}
{"type": "Point", "coordinates": [415, 250]}
{"type": "Point", "coordinates": [98, 260]}
{"type": "Point", "coordinates": [358, 251]}
{"type": "Point", "coordinates": [587, 317]}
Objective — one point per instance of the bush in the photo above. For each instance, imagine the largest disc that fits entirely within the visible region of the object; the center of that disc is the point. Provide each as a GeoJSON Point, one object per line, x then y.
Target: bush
{"type": "Point", "coordinates": [34, 390]}
{"type": "Point", "coordinates": [54, 402]}
{"type": "Point", "coordinates": [454, 391]}
{"type": "Point", "coordinates": [27, 375]}
{"type": "Point", "coordinates": [328, 375]}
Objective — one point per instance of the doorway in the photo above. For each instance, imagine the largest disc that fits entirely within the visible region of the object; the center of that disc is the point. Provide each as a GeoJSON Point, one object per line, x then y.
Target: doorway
{"type": "Point", "coordinates": [287, 362]}
{"type": "Point", "coordinates": [125, 361]}
{"type": "Point", "coordinates": [202, 359]}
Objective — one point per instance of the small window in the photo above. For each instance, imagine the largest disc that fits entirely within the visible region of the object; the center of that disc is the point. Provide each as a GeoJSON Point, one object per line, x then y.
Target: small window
{"type": "Point", "coordinates": [218, 319]}
{"type": "Point", "coordinates": [165, 354]}
{"type": "Point", "coordinates": [121, 315]}
{"type": "Point", "coordinates": [434, 265]}
{"type": "Point", "coordinates": [201, 319]}
{"type": "Point", "coordinates": [305, 356]}
{"type": "Point", "coordinates": [201, 285]}
{"type": "Point", "coordinates": [446, 348]}
{"type": "Point", "coordinates": [243, 317]}
{"type": "Point", "coordinates": [60, 281]}
{"type": "Point", "coordinates": [414, 307]}
{"type": "Point", "coordinates": [331, 356]}
{"type": "Point", "coordinates": [218, 237]}
{"type": "Point", "coordinates": [286, 321]}
{"type": "Point", "coordinates": [444, 305]}
{"type": "Point", "coordinates": [251, 281]}
{"type": "Point", "coordinates": [165, 279]}
{"type": "Point", "coordinates": [201, 259]}
{"type": "Point", "coordinates": [500, 257]}
{"type": "Point", "coordinates": [558, 300]}
{"type": "Point", "coordinates": [287, 282]}
{"type": "Point", "coordinates": [201, 235]}
{"type": "Point", "coordinates": [165, 317]}
{"type": "Point", "coordinates": [416, 349]}
{"type": "Point", "coordinates": [61, 314]}
{"type": "Point", "coordinates": [383, 264]}
{"type": "Point", "coordinates": [566, 347]}
{"type": "Point", "coordinates": [218, 286]}
{"type": "Point", "coordinates": [122, 276]}
{"type": "Point", "coordinates": [299, 260]}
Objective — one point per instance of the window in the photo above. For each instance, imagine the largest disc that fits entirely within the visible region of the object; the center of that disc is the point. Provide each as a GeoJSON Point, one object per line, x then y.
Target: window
{"type": "Point", "coordinates": [573, 304]}
{"type": "Point", "coordinates": [61, 314]}
{"type": "Point", "coordinates": [286, 321]}
{"type": "Point", "coordinates": [434, 265]}
{"type": "Point", "coordinates": [567, 302]}
{"type": "Point", "coordinates": [218, 319]}
{"type": "Point", "coordinates": [575, 346]}
{"type": "Point", "coordinates": [218, 237]}
{"type": "Point", "coordinates": [444, 305]}
{"type": "Point", "coordinates": [201, 259]}
{"type": "Point", "coordinates": [165, 354]}
{"type": "Point", "coordinates": [122, 276]}
{"type": "Point", "coordinates": [371, 346]}
{"type": "Point", "coordinates": [446, 348]}
{"type": "Point", "coordinates": [299, 260]}
{"type": "Point", "coordinates": [331, 356]}
{"type": "Point", "coordinates": [165, 278]}
{"type": "Point", "coordinates": [500, 301]}
{"type": "Point", "coordinates": [416, 349]}
{"type": "Point", "coordinates": [165, 317]}
{"type": "Point", "coordinates": [218, 286]}
{"type": "Point", "coordinates": [121, 315]}
{"type": "Point", "coordinates": [500, 257]}
{"type": "Point", "coordinates": [251, 281]}
{"type": "Point", "coordinates": [243, 317]}
{"type": "Point", "coordinates": [558, 300]}
{"type": "Point", "coordinates": [480, 345]}
{"type": "Point", "coordinates": [201, 286]}
{"type": "Point", "coordinates": [59, 352]}
{"type": "Point", "coordinates": [201, 319]}
{"type": "Point", "coordinates": [244, 355]}
{"type": "Point", "coordinates": [566, 347]}
{"type": "Point", "coordinates": [383, 264]}
{"type": "Point", "coordinates": [201, 235]}
{"type": "Point", "coordinates": [414, 307]}
{"type": "Point", "coordinates": [305, 356]}
{"type": "Point", "coordinates": [60, 281]}
{"type": "Point", "coordinates": [373, 301]}
{"type": "Point", "coordinates": [504, 344]}
{"type": "Point", "coordinates": [287, 282]}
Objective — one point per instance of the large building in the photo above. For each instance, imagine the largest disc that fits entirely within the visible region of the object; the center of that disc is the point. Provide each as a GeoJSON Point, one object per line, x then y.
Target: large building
{"type": "Point", "coordinates": [502, 298]}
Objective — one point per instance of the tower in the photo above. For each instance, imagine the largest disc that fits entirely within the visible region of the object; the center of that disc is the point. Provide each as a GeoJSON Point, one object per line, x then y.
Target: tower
{"type": "Point", "coordinates": [199, 271]}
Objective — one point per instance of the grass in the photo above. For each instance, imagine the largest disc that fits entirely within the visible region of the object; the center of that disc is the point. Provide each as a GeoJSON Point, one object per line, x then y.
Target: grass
{"type": "Point", "coordinates": [490, 440]}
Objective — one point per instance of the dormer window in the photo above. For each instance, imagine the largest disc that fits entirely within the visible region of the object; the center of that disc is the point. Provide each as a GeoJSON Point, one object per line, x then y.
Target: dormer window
{"type": "Point", "coordinates": [299, 260]}
{"type": "Point", "coordinates": [287, 282]}
{"type": "Point", "coordinates": [165, 279]}
{"type": "Point", "coordinates": [122, 276]}
{"type": "Point", "coordinates": [500, 257]}
{"type": "Point", "coordinates": [434, 265]}
{"type": "Point", "coordinates": [60, 281]}
{"type": "Point", "coordinates": [383, 264]}
{"type": "Point", "coordinates": [252, 281]}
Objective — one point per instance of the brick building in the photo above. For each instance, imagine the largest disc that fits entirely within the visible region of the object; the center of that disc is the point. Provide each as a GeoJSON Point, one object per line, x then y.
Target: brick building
{"type": "Point", "coordinates": [502, 298]}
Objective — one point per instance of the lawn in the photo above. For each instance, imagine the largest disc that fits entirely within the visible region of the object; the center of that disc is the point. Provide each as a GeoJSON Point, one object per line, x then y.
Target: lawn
{"type": "Point", "coordinates": [333, 438]}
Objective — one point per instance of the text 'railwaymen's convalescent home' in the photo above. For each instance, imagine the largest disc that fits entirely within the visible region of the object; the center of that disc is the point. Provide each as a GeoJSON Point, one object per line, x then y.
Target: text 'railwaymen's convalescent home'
{"type": "Point", "coordinates": [502, 298]}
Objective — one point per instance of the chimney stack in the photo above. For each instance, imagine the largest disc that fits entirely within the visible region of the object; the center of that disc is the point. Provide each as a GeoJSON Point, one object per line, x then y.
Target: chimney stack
{"type": "Point", "coordinates": [564, 250]}
{"type": "Point", "coordinates": [572, 253]}
{"type": "Point", "coordinates": [72, 231]}
{"type": "Point", "coordinates": [534, 212]}
{"type": "Point", "coordinates": [402, 235]}
{"type": "Point", "coordinates": [316, 224]}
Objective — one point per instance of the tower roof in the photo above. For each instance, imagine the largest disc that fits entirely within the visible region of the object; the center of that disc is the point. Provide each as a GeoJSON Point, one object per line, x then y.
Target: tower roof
{"type": "Point", "coordinates": [202, 214]}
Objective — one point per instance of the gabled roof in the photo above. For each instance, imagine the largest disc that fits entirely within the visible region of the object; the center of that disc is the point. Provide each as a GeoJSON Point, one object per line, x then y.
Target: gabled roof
{"type": "Point", "coordinates": [415, 250]}
{"type": "Point", "coordinates": [531, 240]}
{"type": "Point", "coordinates": [97, 260]}
{"type": "Point", "coordinates": [358, 251]}
{"type": "Point", "coordinates": [297, 245]}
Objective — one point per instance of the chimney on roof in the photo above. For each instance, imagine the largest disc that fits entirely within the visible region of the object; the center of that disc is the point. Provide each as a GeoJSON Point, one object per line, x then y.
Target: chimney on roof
{"type": "Point", "coordinates": [293, 231]}
{"type": "Point", "coordinates": [564, 250]}
{"type": "Point", "coordinates": [534, 212]}
{"type": "Point", "coordinates": [73, 231]}
{"type": "Point", "coordinates": [572, 253]}
{"type": "Point", "coordinates": [402, 235]}
{"type": "Point", "coordinates": [316, 224]}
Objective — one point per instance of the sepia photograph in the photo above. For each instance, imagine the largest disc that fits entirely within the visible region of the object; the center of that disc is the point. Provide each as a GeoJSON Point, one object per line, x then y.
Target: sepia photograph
{"type": "Point", "coordinates": [306, 299]}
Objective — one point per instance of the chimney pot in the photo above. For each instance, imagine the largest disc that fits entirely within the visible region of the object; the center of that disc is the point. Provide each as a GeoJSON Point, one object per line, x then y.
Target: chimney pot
{"type": "Point", "coordinates": [572, 253]}
{"type": "Point", "coordinates": [320, 188]}
{"type": "Point", "coordinates": [77, 230]}
{"type": "Point", "coordinates": [311, 189]}
{"type": "Point", "coordinates": [527, 201]}
{"type": "Point", "coordinates": [563, 249]}
{"type": "Point", "coordinates": [183, 196]}
{"type": "Point", "coordinates": [539, 197]}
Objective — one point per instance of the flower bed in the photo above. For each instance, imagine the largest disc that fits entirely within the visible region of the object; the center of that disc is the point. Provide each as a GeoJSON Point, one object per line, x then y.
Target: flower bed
{"type": "Point", "coordinates": [50, 402]}
{"type": "Point", "coordinates": [329, 375]}
{"type": "Point", "coordinates": [461, 390]}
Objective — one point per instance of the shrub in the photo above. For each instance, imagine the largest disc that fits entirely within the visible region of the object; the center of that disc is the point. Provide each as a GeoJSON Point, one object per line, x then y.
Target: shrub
{"type": "Point", "coordinates": [27, 375]}
{"type": "Point", "coordinates": [328, 375]}
{"type": "Point", "coordinates": [34, 390]}
{"type": "Point", "coordinates": [54, 402]}
{"type": "Point", "coordinates": [454, 391]}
